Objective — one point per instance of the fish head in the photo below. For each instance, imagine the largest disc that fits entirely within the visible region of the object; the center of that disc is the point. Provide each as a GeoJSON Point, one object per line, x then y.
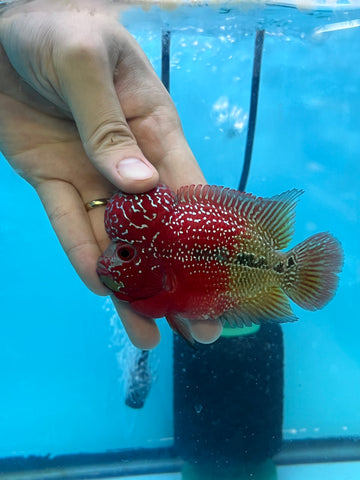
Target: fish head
{"type": "Point", "coordinates": [130, 271]}
{"type": "Point", "coordinates": [131, 266]}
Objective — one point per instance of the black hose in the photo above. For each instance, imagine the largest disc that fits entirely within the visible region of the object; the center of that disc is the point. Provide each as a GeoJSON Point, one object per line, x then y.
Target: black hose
{"type": "Point", "coordinates": [254, 97]}
{"type": "Point", "coordinates": [165, 59]}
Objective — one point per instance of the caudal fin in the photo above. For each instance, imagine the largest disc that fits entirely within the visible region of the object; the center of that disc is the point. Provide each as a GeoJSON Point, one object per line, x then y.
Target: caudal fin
{"type": "Point", "coordinates": [311, 279]}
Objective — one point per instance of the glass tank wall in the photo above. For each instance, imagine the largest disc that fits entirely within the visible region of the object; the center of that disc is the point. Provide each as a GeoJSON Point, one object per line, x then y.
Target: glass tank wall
{"type": "Point", "coordinates": [65, 361]}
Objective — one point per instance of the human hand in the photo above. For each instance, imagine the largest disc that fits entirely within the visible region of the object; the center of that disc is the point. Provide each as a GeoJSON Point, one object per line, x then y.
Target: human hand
{"type": "Point", "coordinates": [83, 114]}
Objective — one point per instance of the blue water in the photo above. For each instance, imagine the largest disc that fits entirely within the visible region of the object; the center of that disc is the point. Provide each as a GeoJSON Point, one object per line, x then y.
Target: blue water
{"type": "Point", "coordinates": [63, 353]}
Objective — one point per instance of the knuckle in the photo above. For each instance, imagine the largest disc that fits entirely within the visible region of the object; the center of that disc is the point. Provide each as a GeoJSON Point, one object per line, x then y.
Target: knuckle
{"type": "Point", "coordinates": [111, 134]}
{"type": "Point", "coordinates": [82, 50]}
{"type": "Point", "coordinates": [58, 215]}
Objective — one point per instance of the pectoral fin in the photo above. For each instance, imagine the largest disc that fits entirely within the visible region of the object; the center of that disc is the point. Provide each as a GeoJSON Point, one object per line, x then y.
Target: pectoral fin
{"type": "Point", "coordinates": [180, 326]}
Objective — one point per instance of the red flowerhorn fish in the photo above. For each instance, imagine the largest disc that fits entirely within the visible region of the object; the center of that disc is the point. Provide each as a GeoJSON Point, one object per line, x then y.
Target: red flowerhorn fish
{"type": "Point", "coordinates": [212, 252]}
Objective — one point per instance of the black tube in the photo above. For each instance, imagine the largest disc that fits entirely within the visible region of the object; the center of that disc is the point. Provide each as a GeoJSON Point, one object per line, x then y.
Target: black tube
{"type": "Point", "coordinates": [259, 44]}
{"type": "Point", "coordinates": [165, 59]}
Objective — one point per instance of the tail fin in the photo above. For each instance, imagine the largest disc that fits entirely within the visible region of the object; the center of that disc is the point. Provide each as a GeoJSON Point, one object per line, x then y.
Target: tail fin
{"type": "Point", "coordinates": [311, 279]}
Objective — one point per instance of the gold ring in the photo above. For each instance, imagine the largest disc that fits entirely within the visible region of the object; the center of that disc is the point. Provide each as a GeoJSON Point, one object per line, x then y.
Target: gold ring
{"type": "Point", "coordinates": [99, 202]}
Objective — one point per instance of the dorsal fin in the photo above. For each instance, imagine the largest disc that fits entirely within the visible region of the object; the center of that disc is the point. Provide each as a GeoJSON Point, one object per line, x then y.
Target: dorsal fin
{"type": "Point", "coordinates": [274, 215]}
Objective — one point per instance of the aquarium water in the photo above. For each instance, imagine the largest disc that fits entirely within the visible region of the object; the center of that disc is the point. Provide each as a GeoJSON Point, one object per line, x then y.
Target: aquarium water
{"type": "Point", "coordinates": [65, 361]}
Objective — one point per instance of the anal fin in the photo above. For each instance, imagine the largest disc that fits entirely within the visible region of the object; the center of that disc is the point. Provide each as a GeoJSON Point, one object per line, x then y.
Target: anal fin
{"type": "Point", "coordinates": [267, 307]}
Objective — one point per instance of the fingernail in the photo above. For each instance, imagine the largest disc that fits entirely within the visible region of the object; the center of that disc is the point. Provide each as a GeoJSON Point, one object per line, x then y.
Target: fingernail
{"type": "Point", "coordinates": [134, 169]}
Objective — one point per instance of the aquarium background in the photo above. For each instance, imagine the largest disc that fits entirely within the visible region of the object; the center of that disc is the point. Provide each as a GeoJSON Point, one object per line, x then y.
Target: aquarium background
{"type": "Point", "coordinates": [64, 356]}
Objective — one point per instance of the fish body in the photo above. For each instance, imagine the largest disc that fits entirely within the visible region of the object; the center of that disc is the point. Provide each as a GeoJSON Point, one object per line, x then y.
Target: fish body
{"type": "Point", "coordinates": [209, 252]}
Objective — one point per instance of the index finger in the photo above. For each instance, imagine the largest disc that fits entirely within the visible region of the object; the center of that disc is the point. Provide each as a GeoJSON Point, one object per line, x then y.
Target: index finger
{"type": "Point", "coordinates": [141, 330]}
{"type": "Point", "coordinates": [73, 228]}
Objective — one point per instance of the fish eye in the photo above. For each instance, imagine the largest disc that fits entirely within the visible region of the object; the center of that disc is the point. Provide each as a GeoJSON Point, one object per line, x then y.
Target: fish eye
{"type": "Point", "coordinates": [125, 252]}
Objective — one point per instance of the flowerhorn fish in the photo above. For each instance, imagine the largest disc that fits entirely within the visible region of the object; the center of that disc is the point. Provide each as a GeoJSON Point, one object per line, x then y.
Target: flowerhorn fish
{"type": "Point", "coordinates": [212, 252]}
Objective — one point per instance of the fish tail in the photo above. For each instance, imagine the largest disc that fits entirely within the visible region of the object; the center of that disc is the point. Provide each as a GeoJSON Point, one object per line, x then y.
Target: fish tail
{"type": "Point", "coordinates": [310, 278]}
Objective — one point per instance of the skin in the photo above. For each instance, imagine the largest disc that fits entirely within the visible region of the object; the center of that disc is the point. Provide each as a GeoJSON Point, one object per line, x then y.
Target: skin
{"type": "Point", "coordinates": [82, 115]}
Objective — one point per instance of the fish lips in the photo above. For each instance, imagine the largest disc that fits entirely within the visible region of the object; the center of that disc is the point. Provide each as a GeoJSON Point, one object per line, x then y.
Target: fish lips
{"type": "Point", "coordinates": [102, 269]}
{"type": "Point", "coordinates": [110, 283]}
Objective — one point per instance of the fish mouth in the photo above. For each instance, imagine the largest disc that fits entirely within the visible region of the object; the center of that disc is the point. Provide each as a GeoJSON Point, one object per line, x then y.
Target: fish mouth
{"type": "Point", "coordinates": [107, 279]}
{"type": "Point", "coordinates": [110, 283]}
{"type": "Point", "coordinates": [101, 270]}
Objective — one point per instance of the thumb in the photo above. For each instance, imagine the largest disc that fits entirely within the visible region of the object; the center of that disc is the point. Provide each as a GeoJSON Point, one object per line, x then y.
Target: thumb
{"type": "Point", "coordinates": [114, 151]}
{"type": "Point", "coordinates": [102, 125]}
